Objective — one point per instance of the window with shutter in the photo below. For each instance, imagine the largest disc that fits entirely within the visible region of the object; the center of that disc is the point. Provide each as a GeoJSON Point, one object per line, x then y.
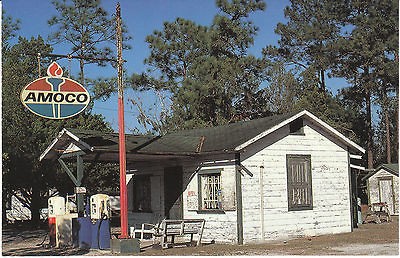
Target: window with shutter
{"type": "Point", "coordinates": [299, 183]}
{"type": "Point", "coordinates": [210, 190]}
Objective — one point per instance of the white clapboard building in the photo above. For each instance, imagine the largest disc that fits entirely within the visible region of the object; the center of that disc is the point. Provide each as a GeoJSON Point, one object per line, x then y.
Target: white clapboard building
{"type": "Point", "coordinates": [272, 178]}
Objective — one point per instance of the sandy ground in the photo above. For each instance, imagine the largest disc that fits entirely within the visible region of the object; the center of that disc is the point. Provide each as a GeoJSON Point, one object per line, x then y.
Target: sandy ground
{"type": "Point", "coordinates": [368, 239]}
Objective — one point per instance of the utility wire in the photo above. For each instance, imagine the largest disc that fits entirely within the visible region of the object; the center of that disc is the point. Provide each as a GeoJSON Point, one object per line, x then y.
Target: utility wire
{"type": "Point", "coordinates": [113, 109]}
{"type": "Point", "coordinates": [75, 57]}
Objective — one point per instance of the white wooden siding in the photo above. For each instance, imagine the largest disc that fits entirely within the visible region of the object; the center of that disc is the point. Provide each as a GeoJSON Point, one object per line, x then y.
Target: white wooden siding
{"type": "Point", "coordinates": [330, 187]}
{"type": "Point", "coordinates": [135, 219]}
{"type": "Point", "coordinates": [220, 227]}
{"type": "Point", "coordinates": [17, 210]}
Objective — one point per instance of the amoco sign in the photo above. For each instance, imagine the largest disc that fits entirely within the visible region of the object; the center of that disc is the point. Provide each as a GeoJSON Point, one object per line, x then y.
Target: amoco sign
{"type": "Point", "coordinates": [55, 97]}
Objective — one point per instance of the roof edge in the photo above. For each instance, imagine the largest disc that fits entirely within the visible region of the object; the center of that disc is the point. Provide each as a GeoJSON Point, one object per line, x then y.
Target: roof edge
{"type": "Point", "coordinates": [373, 172]}
{"type": "Point", "coordinates": [335, 132]}
{"type": "Point", "coordinates": [59, 136]}
{"type": "Point", "coordinates": [265, 133]}
{"type": "Point", "coordinates": [47, 150]}
{"type": "Point", "coordinates": [298, 115]}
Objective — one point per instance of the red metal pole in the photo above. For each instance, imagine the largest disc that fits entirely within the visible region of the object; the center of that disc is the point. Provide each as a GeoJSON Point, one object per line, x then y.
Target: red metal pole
{"type": "Point", "coordinates": [122, 171]}
{"type": "Point", "coordinates": [121, 128]}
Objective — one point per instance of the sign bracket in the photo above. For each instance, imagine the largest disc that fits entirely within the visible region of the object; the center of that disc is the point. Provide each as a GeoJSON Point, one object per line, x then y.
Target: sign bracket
{"type": "Point", "coordinates": [76, 180]}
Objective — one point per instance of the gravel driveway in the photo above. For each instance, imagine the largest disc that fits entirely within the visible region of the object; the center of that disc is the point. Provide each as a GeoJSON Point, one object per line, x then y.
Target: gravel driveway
{"type": "Point", "coordinates": [368, 239]}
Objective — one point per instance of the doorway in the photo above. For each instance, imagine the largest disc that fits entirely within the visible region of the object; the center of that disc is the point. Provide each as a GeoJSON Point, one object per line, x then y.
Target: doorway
{"type": "Point", "coordinates": [173, 188]}
{"type": "Point", "coordinates": [386, 192]}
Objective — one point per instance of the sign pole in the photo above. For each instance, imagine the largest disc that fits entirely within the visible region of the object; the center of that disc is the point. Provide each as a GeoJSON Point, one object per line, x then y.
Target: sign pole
{"type": "Point", "coordinates": [121, 128]}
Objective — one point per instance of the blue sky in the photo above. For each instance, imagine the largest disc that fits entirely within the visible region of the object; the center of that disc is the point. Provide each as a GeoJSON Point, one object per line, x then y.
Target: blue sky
{"type": "Point", "coordinates": [142, 17]}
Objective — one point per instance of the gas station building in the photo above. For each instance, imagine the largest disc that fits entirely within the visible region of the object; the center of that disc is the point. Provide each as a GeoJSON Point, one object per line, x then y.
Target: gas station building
{"type": "Point", "coordinates": [237, 177]}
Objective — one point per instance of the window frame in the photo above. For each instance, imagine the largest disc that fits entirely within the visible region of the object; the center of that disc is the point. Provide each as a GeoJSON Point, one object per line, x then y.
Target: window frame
{"type": "Point", "coordinates": [141, 179]}
{"type": "Point", "coordinates": [205, 173]}
{"type": "Point", "coordinates": [299, 159]}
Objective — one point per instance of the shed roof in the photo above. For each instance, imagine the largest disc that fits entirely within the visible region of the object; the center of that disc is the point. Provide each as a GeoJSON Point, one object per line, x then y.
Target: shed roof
{"type": "Point", "coordinates": [392, 168]}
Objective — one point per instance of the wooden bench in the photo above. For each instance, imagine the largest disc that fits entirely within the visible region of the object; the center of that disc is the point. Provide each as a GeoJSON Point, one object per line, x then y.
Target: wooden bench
{"type": "Point", "coordinates": [378, 212]}
{"type": "Point", "coordinates": [151, 228]}
{"type": "Point", "coordinates": [173, 228]}
{"type": "Point", "coordinates": [147, 228]}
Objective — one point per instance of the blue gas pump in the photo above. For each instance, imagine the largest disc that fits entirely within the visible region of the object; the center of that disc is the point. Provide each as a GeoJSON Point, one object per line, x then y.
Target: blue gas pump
{"type": "Point", "coordinates": [100, 213]}
{"type": "Point", "coordinates": [81, 229]}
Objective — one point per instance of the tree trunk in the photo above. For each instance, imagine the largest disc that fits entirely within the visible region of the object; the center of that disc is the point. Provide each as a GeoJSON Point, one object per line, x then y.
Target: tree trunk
{"type": "Point", "coordinates": [323, 86]}
{"type": "Point", "coordinates": [35, 206]}
{"type": "Point", "coordinates": [369, 129]}
{"type": "Point", "coordinates": [82, 74]}
{"type": "Point", "coordinates": [4, 203]}
{"type": "Point", "coordinates": [387, 125]}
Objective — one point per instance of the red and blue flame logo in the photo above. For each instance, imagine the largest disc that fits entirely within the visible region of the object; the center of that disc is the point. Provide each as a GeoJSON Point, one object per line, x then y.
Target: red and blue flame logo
{"type": "Point", "coordinates": [55, 97]}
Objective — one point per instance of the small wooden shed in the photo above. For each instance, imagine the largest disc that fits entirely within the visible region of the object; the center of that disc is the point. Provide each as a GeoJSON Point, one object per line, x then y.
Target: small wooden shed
{"type": "Point", "coordinates": [383, 186]}
{"type": "Point", "coordinates": [272, 178]}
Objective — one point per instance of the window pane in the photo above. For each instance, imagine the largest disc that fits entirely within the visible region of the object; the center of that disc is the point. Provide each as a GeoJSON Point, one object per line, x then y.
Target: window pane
{"type": "Point", "coordinates": [142, 194]}
{"type": "Point", "coordinates": [211, 188]}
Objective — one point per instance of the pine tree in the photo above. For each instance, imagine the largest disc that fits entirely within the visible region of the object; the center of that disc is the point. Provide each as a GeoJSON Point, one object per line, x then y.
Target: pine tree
{"type": "Point", "coordinates": [87, 29]}
{"type": "Point", "coordinates": [366, 51]}
{"type": "Point", "coordinates": [25, 135]}
{"type": "Point", "coordinates": [308, 37]}
{"type": "Point", "coordinates": [212, 78]}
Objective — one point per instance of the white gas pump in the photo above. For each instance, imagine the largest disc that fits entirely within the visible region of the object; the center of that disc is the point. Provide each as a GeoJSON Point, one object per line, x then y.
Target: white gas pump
{"type": "Point", "coordinates": [100, 207]}
{"type": "Point", "coordinates": [60, 223]}
{"type": "Point", "coordinates": [100, 213]}
{"type": "Point", "coordinates": [56, 206]}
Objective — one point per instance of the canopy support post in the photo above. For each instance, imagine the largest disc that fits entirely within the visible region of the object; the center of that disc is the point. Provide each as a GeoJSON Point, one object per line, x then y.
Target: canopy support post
{"type": "Point", "coordinates": [76, 180]}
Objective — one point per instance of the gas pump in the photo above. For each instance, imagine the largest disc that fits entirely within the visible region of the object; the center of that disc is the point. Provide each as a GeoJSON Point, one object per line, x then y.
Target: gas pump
{"type": "Point", "coordinates": [100, 206]}
{"type": "Point", "coordinates": [100, 213]}
{"type": "Point", "coordinates": [60, 222]}
{"type": "Point", "coordinates": [56, 207]}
